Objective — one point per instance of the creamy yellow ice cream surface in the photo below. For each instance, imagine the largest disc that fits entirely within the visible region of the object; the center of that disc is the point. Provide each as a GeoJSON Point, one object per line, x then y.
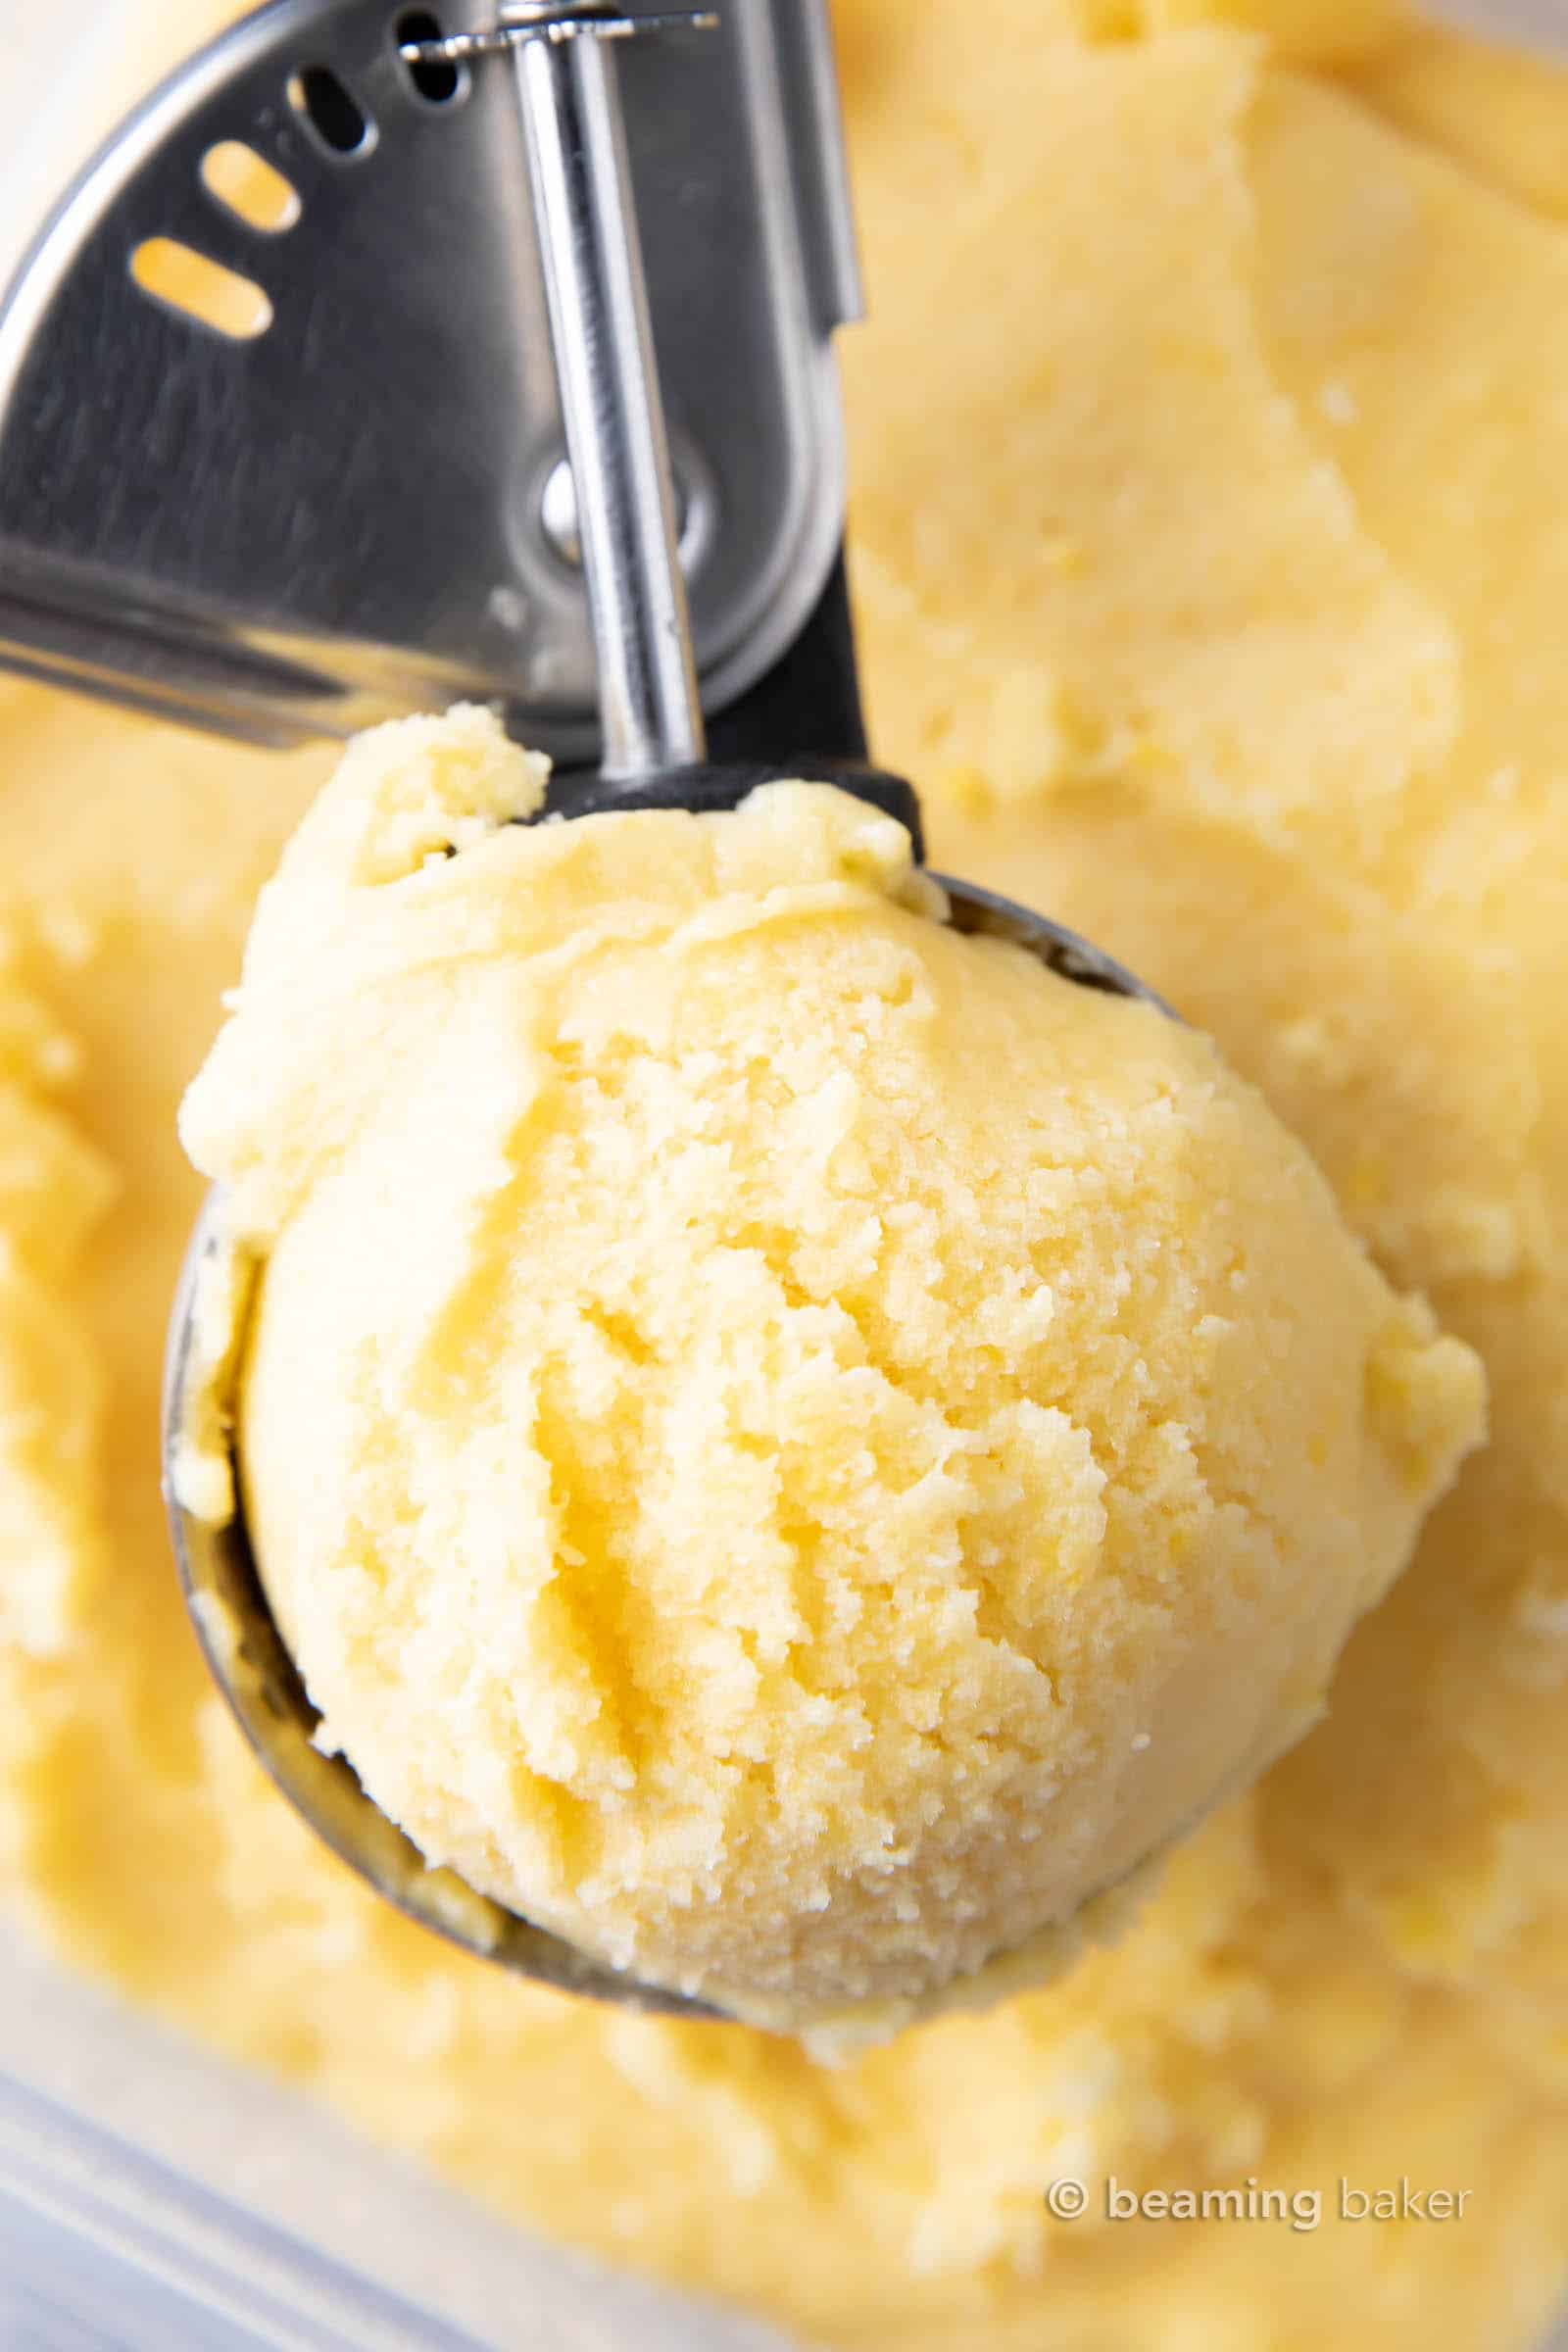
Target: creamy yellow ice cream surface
{"type": "Point", "coordinates": [790, 1444]}
{"type": "Point", "coordinates": [1210, 445]}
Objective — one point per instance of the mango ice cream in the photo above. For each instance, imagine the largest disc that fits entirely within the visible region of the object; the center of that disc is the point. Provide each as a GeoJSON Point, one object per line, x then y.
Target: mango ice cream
{"type": "Point", "coordinates": [1208, 442]}
{"type": "Point", "coordinates": [790, 1444]}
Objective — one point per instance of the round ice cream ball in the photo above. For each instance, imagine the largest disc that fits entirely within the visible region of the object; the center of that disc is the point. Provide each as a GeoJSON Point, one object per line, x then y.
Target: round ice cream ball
{"type": "Point", "coordinates": [789, 1444]}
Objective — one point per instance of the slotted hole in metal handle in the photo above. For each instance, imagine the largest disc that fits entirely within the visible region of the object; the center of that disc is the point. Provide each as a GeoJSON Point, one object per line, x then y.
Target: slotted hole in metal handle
{"type": "Point", "coordinates": [332, 110]}
{"type": "Point", "coordinates": [200, 288]}
{"type": "Point", "coordinates": [254, 190]}
{"type": "Point", "coordinates": [437, 81]}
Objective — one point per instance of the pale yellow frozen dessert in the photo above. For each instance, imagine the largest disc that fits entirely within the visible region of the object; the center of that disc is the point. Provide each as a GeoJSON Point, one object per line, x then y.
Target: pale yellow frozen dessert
{"type": "Point", "coordinates": [1208, 445]}
{"type": "Point", "coordinates": [789, 1444]}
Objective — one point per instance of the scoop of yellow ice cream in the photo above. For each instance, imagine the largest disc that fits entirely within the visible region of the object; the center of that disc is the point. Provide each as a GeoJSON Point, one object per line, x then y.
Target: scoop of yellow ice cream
{"type": "Point", "coordinates": [790, 1444]}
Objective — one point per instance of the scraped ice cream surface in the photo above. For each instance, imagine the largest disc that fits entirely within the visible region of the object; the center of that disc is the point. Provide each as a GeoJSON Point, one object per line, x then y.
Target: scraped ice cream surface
{"type": "Point", "coordinates": [790, 1444]}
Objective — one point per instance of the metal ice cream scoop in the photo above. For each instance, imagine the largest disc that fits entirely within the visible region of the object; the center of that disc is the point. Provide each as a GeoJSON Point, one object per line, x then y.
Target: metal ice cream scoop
{"type": "Point", "coordinates": [367, 491]}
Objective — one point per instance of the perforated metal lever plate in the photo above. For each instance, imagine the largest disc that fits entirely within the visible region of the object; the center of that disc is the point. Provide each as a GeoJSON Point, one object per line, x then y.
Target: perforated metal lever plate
{"type": "Point", "coordinates": [295, 532]}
